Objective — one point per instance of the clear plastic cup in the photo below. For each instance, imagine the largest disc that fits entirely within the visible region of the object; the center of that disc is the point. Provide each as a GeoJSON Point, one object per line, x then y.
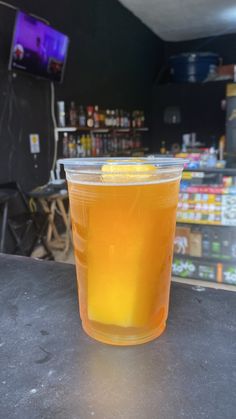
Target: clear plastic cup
{"type": "Point", "coordinates": [123, 215]}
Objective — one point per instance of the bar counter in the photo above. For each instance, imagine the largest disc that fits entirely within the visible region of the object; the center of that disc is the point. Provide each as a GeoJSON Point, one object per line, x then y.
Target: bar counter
{"type": "Point", "coordinates": [51, 370]}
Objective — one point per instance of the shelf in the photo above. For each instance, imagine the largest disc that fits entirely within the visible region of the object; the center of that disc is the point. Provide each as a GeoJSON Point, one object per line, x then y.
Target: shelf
{"type": "Point", "coordinates": [206, 259]}
{"type": "Point", "coordinates": [66, 129]}
{"type": "Point", "coordinates": [101, 130]}
{"type": "Point", "coordinates": [201, 284]}
{"type": "Point", "coordinates": [227, 171]}
{"type": "Point", "coordinates": [205, 223]}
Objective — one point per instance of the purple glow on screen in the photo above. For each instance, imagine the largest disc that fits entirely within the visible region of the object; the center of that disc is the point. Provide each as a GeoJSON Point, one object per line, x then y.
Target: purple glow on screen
{"type": "Point", "coordinates": [38, 48]}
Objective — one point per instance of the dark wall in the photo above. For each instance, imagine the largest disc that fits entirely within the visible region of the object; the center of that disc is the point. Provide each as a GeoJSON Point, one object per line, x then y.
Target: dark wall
{"type": "Point", "coordinates": [200, 108]}
{"type": "Point", "coordinates": [24, 109]}
{"type": "Point", "coordinates": [113, 60]}
{"type": "Point", "coordinates": [200, 104]}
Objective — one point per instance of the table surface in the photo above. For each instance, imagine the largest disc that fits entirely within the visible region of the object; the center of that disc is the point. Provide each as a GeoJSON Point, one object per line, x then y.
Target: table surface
{"type": "Point", "coordinates": [51, 370]}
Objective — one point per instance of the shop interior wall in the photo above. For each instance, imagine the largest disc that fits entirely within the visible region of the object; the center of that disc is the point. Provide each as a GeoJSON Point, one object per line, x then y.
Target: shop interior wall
{"type": "Point", "coordinates": [200, 104]}
{"type": "Point", "coordinates": [113, 60]}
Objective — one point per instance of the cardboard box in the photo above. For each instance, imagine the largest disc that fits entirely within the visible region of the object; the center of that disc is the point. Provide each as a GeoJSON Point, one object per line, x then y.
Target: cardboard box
{"type": "Point", "coordinates": [195, 242]}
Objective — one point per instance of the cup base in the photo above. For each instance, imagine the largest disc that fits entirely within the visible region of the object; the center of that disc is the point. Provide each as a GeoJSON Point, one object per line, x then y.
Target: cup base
{"type": "Point", "coordinates": [121, 340]}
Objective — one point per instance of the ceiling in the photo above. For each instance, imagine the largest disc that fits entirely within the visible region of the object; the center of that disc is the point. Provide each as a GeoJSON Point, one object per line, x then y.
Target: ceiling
{"type": "Point", "coordinates": [178, 20]}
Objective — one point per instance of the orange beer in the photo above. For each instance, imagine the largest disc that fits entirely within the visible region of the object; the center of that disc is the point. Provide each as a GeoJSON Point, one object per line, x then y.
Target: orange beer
{"type": "Point", "coordinates": [123, 232]}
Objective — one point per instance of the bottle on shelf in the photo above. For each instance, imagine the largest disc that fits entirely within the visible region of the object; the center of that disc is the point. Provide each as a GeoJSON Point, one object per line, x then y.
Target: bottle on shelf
{"type": "Point", "coordinates": [90, 117]}
{"type": "Point", "coordinates": [82, 117]}
{"type": "Point", "coordinates": [221, 147]}
{"type": "Point", "coordinates": [88, 146]}
{"type": "Point", "coordinates": [61, 115]}
{"type": "Point", "coordinates": [117, 116]}
{"type": "Point", "coordinates": [122, 119]}
{"type": "Point", "coordinates": [73, 115]}
{"type": "Point", "coordinates": [134, 119]}
{"type": "Point", "coordinates": [71, 147]}
{"type": "Point", "coordinates": [113, 119]}
{"type": "Point", "coordinates": [96, 117]}
{"type": "Point", "coordinates": [79, 147]}
{"type": "Point", "coordinates": [83, 145]}
{"type": "Point", "coordinates": [163, 147]}
{"type": "Point", "coordinates": [93, 145]}
{"type": "Point", "coordinates": [142, 119]}
{"type": "Point", "coordinates": [97, 145]}
{"type": "Point", "coordinates": [65, 150]}
{"type": "Point", "coordinates": [102, 117]}
{"type": "Point", "coordinates": [108, 118]}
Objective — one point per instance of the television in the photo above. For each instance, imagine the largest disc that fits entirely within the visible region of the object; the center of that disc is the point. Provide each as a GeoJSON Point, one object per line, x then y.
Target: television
{"type": "Point", "coordinates": [38, 49]}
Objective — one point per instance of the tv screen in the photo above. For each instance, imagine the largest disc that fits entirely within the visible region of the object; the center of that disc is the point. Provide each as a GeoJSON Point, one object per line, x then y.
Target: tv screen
{"type": "Point", "coordinates": [38, 48]}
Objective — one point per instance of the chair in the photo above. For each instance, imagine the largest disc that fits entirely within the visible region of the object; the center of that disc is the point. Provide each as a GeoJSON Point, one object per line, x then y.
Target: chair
{"type": "Point", "coordinates": [26, 227]}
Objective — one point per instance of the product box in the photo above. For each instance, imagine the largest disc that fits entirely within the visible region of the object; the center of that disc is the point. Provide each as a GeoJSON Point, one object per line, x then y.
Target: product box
{"type": "Point", "coordinates": [191, 268]}
{"type": "Point", "coordinates": [229, 274]}
{"type": "Point", "coordinates": [184, 267]}
{"type": "Point", "coordinates": [182, 240]}
{"type": "Point", "coordinates": [207, 271]}
{"type": "Point", "coordinates": [229, 210]}
{"type": "Point", "coordinates": [195, 242]}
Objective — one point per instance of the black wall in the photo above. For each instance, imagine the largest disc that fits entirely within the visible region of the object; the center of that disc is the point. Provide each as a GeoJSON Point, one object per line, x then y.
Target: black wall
{"type": "Point", "coordinates": [200, 104]}
{"type": "Point", "coordinates": [113, 61]}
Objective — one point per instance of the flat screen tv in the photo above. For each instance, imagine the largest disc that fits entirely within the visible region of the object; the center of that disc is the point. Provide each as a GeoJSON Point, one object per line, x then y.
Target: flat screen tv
{"type": "Point", "coordinates": [38, 48]}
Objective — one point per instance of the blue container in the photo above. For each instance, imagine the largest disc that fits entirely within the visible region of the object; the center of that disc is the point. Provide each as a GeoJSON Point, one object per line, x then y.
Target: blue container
{"type": "Point", "coordinates": [193, 67]}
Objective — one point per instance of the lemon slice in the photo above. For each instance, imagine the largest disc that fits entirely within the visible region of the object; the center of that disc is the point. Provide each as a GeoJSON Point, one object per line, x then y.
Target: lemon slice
{"type": "Point", "coordinates": [127, 172]}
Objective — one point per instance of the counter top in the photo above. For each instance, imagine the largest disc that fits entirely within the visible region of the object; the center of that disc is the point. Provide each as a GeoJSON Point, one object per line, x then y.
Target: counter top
{"type": "Point", "coordinates": [51, 370]}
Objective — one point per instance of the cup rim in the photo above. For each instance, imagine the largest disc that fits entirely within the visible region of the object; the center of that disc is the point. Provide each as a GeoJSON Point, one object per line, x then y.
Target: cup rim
{"type": "Point", "coordinates": [89, 162]}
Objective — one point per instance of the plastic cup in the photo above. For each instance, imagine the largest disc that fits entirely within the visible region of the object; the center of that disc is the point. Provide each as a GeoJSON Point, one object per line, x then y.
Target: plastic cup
{"type": "Point", "coordinates": [123, 214]}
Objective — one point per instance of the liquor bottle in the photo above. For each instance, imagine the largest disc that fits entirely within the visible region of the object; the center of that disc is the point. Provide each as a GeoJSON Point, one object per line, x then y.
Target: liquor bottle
{"type": "Point", "coordinates": [102, 117]}
{"type": "Point", "coordinates": [98, 145]}
{"type": "Point", "coordinates": [65, 145]}
{"type": "Point", "coordinates": [79, 147]}
{"type": "Point", "coordinates": [73, 115]}
{"type": "Point", "coordinates": [113, 118]}
{"type": "Point", "coordinates": [105, 150]}
{"type": "Point", "coordinates": [61, 115]}
{"type": "Point", "coordinates": [117, 116]}
{"type": "Point", "coordinates": [163, 147]}
{"type": "Point", "coordinates": [125, 119]}
{"type": "Point", "coordinates": [88, 146]}
{"type": "Point", "coordinates": [72, 146]}
{"type": "Point", "coordinates": [82, 117]}
{"type": "Point", "coordinates": [83, 144]}
{"type": "Point", "coordinates": [96, 117]}
{"type": "Point", "coordinates": [90, 119]}
{"type": "Point", "coordinates": [108, 118]}
{"type": "Point", "coordinates": [121, 118]}
{"type": "Point", "coordinates": [128, 120]}
{"type": "Point", "coordinates": [139, 119]}
{"type": "Point", "coordinates": [94, 145]}
{"type": "Point", "coordinates": [134, 119]}
{"type": "Point", "coordinates": [142, 119]}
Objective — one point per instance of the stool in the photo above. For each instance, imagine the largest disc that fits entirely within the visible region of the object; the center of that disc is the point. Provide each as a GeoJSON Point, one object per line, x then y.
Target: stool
{"type": "Point", "coordinates": [26, 227]}
{"type": "Point", "coordinates": [5, 196]}
{"type": "Point", "coordinates": [51, 201]}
